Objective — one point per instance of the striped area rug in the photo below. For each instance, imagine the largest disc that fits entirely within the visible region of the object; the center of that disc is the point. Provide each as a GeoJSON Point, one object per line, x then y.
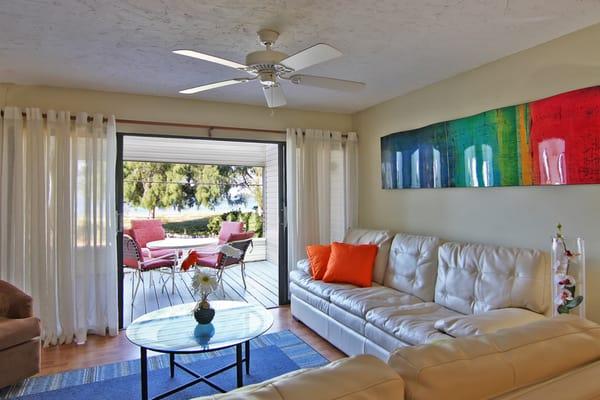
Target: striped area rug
{"type": "Point", "coordinates": [299, 352]}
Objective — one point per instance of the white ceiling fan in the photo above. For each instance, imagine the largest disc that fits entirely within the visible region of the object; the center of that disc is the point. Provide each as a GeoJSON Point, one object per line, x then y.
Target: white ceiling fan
{"type": "Point", "coordinates": [269, 67]}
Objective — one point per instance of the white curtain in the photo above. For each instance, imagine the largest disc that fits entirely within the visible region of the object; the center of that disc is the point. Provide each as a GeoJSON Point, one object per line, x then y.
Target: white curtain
{"type": "Point", "coordinates": [57, 219]}
{"type": "Point", "coordinates": [322, 188]}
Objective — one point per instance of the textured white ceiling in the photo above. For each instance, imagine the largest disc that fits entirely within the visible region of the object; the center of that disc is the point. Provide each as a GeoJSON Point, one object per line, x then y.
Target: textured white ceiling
{"type": "Point", "coordinates": [393, 45]}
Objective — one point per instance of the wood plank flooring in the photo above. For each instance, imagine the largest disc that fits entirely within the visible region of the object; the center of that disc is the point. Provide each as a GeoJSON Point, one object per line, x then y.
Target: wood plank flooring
{"type": "Point", "coordinates": [261, 281]}
{"type": "Point", "coordinates": [104, 350]}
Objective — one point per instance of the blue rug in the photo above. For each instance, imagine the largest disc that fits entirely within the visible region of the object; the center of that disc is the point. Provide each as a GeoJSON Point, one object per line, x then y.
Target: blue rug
{"type": "Point", "coordinates": [272, 355]}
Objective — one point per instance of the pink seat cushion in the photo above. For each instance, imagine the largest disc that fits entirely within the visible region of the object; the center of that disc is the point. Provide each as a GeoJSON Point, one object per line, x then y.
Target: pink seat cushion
{"type": "Point", "coordinates": [234, 237]}
{"type": "Point", "coordinates": [147, 253]}
{"type": "Point", "coordinates": [228, 228]}
{"type": "Point", "coordinates": [158, 263]}
{"type": "Point", "coordinates": [130, 262]}
{"type": "Point", "coordinates": [210, 261]}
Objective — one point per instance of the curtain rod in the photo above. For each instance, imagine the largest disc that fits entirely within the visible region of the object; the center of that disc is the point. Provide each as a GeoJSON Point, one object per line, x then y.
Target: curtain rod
{"type": "Point", "coordinates": [176, 124]}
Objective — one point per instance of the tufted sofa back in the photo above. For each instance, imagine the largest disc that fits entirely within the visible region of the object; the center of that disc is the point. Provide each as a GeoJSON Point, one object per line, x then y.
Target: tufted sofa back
{"type": "Point", "coordinates": [381, 238]}
{"type": "Point", "coordinates": [474, 278]}
{"type": "Point", "coordinates": [412, 266]}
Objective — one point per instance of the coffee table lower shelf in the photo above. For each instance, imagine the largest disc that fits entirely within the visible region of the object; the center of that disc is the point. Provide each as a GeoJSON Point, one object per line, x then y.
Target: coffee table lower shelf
{"type": "Point", "coordinates": [241, 358]}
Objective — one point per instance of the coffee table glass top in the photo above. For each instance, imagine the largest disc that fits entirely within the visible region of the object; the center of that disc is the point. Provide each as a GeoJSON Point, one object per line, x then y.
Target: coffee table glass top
{"type": "Point", "coordinates": [174, 329]}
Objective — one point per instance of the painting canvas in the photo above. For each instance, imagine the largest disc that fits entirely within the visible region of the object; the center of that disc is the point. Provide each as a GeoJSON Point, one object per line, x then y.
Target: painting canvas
{"type": "Point", "coordinates": [553, 141]}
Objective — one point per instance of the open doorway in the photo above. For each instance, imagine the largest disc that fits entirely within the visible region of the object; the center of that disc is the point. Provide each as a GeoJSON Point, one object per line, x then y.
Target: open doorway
{"type": "Point", "coordinates": [192, 189]}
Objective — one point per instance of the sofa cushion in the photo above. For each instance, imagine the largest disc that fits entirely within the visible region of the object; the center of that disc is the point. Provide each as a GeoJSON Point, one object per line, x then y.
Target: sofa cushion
{"type": "Point", "coordinates": [319, 288]}
{"type": "Point", "coordinates": [383, 339]}
{"type": "Point", "coordinates": [318, 257]}
{"type": "Point", "coordinates": [499, 362]}
{"type": "Point", "coordinates": [351, 263]}
{"type": "Point", "coordinates": [382, 239]}
{"type": "Point", "coordinates": [313, 300]}
{"type": "Point", "coordinates": [581, 383]}
{"type": "Point", "coordinates": [17, 331]}
{"type": "Point", "coordinates": [476, 278]}
{"type": "Point", "coordinates": [359, 301]}
{"type": "Point", "coordinates": [412, 265]}
{"type": "Point", "coordinates": [354, 378]}
{"type": "Point", "coordinates": [413, 324]}
{"type": "Point", "coordinates": [348, 319]}
{"type": "Point", "coordinates": [488, 322]}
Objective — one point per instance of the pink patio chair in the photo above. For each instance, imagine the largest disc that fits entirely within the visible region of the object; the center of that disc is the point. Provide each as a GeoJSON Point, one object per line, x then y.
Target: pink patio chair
{"type": "Point", "coordinates": [134, 259]}
{"type": "Point", "coordinates": [148, 230]}
{"type": "Point", "coordinates": [220, 261]}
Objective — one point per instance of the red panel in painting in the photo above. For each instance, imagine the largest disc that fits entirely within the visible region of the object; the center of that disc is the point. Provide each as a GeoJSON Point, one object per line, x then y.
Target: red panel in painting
{"type": "Point", "coordinates": [565, 138]}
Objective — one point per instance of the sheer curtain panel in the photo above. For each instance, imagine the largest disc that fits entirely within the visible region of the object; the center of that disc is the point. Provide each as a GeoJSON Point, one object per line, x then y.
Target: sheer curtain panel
{"type": "Point", "coordinates": [322, 188]}
{"type": "Point", "coordinates": [58, 219]}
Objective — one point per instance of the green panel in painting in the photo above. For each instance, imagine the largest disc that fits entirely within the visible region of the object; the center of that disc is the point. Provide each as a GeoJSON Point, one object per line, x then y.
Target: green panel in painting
{"type": "Point", "coordinates": [483, 149]}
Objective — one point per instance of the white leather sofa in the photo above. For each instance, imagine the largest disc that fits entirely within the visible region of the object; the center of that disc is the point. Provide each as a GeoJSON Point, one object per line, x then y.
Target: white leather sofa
{"type": "Point", "coordinates": [552, 359]}
{"type": "Point", "coordinates": [423, 290]}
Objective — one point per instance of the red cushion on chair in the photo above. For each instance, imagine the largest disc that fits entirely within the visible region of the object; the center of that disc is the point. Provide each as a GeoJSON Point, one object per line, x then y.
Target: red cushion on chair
{"type": "Point", "coordinates": [209, 261]}
{"type": "Point", "coordinates": [234, 237]}
{"type": "Point", "coordinates": [228, 228]}
{"type": "Point", "coordinates": [145, 235]}
{"type": "Point", "coordinates": [157, 253]}
{"type": "Point", "coordinates": [158, 263]}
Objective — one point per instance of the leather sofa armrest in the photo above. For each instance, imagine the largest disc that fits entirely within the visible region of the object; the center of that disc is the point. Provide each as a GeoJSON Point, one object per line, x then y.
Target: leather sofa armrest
{"type": "Point", "coordinates": [14, 303]}
{"type": "Point", "coordinates": [361, 377]}
{"type": "Point", "coordinates": [487, 322]}
{"type": "Point", "coordinates": [304, 266]}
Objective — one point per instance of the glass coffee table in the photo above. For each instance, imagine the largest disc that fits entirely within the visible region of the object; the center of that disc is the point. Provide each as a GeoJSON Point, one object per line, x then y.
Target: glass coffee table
{"type": "Point", "coordinates": [173, 330]}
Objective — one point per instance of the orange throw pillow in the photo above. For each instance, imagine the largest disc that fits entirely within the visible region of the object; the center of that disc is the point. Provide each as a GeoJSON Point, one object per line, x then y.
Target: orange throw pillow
{"type": "Point", "coordinates": [318, 257]}
{"type": "Point", "coordinates": [351, 263]}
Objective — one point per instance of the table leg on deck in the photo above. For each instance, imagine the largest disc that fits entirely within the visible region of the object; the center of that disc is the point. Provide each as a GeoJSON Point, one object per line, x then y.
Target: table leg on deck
{"type": "Point", "coordinates": [247, 344]}
{"type": "Point", "coordinates": [172, 364]}
{"type": "Point", "coordinates": [144, 372]}
{"type": "Point", "coordinates": [238, 365]}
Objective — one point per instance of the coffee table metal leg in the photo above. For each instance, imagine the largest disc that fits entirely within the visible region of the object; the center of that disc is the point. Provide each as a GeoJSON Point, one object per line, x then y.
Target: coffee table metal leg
{"type": "Point", "coordinates": [247, 344]}
{"type": "Point", "coordinates": [239, 366]}
{"type": "Point", "coordinates": [172, 364]}
{"type": "Point", "coordinates": [144, 372]}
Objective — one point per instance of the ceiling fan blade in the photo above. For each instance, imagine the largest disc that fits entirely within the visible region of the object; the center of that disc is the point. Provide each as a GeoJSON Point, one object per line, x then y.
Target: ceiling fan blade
{"type": "Point", "coordinates": [274, 95]}
{"type": "Point", "coordinates": [213, 85]}
{"type": "Point", "coordinates": [327, 83]}
{"type": "Point", "coordinates": [209, 58]}
{"type": "Point", "coordinates": [316, 54]}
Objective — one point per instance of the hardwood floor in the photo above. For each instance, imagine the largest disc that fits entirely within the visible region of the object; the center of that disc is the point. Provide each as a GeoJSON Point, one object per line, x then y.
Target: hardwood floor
{"type": "Point", "coordinates": [104, 350]}
{"type": "Point", "coordinates": [261, 281]}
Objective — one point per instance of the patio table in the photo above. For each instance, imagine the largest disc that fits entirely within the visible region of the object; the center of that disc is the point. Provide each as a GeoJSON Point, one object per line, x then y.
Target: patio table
{"type": "Point", "coordinates": [182, 243]}
{"type": "Point", "coordinates": [205, 244]}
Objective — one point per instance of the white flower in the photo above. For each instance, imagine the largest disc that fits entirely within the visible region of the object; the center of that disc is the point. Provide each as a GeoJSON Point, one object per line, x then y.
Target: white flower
{"type": "Point", "coordinates": [204, 281]}
{"type": "Point", "coordinates": [564, 280]}
{"type": "Point", "coordinates": [563, 296]}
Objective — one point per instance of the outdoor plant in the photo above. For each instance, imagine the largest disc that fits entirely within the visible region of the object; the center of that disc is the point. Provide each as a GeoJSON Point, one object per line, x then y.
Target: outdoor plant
{"type": "Point", "coordinates": [566, 300]}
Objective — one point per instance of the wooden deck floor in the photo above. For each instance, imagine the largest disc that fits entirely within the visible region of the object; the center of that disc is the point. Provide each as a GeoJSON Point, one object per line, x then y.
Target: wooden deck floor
{"type": "Point", "coordinates": [261, 279]}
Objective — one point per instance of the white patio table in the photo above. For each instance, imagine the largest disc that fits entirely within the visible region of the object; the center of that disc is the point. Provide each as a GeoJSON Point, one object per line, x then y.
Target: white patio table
{"type": "Point", "coordinates": [182, 243]}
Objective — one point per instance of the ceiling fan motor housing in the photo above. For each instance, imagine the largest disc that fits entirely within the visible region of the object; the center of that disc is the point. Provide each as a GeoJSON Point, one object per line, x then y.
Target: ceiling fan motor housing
{"type": "Point", "coordinates": [266, 64]}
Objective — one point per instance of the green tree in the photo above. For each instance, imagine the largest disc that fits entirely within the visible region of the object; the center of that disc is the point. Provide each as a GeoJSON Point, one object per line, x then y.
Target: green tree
{"type": "Point", "coordinates": [154, 185]}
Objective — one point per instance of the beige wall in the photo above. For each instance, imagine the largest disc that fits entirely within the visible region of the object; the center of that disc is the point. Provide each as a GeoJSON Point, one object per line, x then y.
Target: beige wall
{"type": "Point", "coordinates": [516, 216]}
{"type": "Point", "coordinates": [154, 108]}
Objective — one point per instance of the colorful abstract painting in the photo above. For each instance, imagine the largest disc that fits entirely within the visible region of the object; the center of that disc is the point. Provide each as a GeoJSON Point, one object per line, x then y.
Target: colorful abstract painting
{"type": "Point", "coordinates": [554, 141]}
